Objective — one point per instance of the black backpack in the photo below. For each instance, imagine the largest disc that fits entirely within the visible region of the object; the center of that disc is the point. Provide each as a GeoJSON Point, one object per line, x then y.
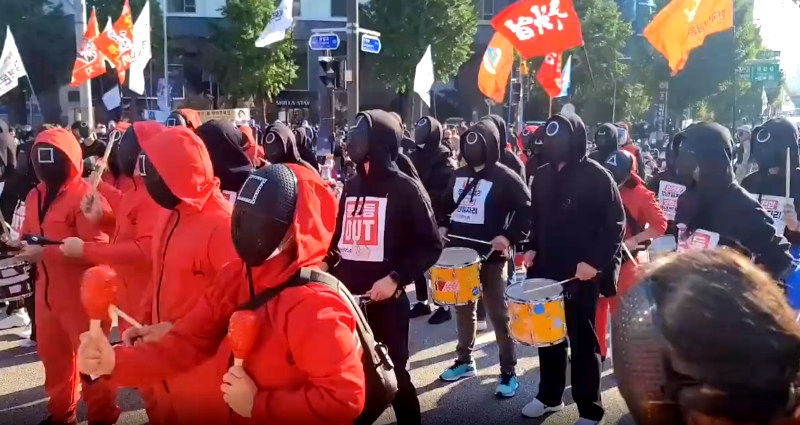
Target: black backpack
{"type": "Point", "coordinates": [380, 379]}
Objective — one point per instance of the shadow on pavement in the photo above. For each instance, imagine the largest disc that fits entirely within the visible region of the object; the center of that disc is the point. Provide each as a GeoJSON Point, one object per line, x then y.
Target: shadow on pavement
{"type": "Point", "coordinates": [17, 356]}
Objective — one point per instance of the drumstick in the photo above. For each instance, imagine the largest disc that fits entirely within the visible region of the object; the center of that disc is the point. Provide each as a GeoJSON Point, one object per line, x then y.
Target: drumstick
{"type": "Point", "coordinates": [103, 165]}
{"type": "Point", "coordinates": [126, 317]}
{"type": "Point", "coordinates": [628, 253]}
{"type": "Point", "coordinates": [243, 328]}
{"type": "Point", "coordinates": [470, 239]}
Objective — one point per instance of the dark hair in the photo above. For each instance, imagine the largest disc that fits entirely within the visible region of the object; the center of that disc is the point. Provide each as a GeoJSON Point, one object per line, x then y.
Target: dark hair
{"type": "Point", "coordinates": [730, 331]}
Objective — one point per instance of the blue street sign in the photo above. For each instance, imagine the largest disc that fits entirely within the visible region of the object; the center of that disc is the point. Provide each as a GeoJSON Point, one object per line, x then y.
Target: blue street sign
{"type": "Point", "coordinates": [370, 44]}
{"type": "Point", "coordinates": [323, 42]}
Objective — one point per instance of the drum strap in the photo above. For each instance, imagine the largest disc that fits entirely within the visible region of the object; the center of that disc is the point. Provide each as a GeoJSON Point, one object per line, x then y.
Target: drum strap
{"type": "Point", "coordinates": [467, 189]}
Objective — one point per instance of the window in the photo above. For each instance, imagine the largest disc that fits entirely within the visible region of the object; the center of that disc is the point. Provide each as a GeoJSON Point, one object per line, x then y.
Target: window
{"type": "Point", "coordinates": [338, 8]}
{"type": "Point", "coordinates": [73, 96]}
{"type": "Point", "coordinates": [488, 9]}
{"type": "Point", "coordinates": [296, 7]}
{"type": "Point", "coordinates": [182, 6]}
{"type": "Point", "coordinates": [301, 59]}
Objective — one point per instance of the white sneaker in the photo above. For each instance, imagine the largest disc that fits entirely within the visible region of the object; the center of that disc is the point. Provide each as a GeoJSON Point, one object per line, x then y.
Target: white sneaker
{"type": "Point", "coordinates": [536, 408]}
{"type": "Point", "coordinates": [482, 325]}
{"type": "Point", "coordinates": [26, 333]}
{"type": "Point", "coordinates": [27, 342]}
{"type": "Point", "coordinates": [17, 319]}
{"type": "Point", "coordinates": [584, 421]}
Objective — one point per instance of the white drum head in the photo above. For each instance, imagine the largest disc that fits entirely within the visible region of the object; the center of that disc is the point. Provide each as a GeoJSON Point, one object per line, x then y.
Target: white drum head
{"type": "Point", "coordinates": [455, 258]}
{"type": "Point", "coordinates": [531, 290]}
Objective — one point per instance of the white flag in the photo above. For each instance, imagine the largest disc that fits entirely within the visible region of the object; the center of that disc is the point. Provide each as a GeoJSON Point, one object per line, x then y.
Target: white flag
{"type": "Point", "coordinates": [566, 78]}
{"type": "Point", "coordinates": [764, 102]}
{"type": "Point", "coordinates": [112, 98]}
{"type": "Point", "coordinates": [142, 51]}
{"type": "Point", "coordinates": [11, 67]}
{"type": "Point", "coordinates": [276, 28]}
{"type": "Point", "coordinates": [109, 28]}
{"type": "Point", "coordinates": [424, 77]}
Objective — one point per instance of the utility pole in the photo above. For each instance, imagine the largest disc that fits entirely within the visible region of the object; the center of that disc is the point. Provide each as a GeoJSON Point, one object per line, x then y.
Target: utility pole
{"type": "Point", "coordinates": [166, 63]}
{"type": "Point", "coordinates": [353, 47]}
{"type": "Point", "coordinates": [86, 113]}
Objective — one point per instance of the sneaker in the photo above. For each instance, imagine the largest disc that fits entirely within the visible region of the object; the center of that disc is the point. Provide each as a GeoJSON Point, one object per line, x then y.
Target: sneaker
{"type": "Point", "coordinates": [507, 387]}
{"type": "Point", "coordinates": [27, 343]}
{"type": "Point", "coordinates": [482, 325]}
{"type": "Point", "coordinates": [441, 315]}
{"type": "Point", "coordinates": [26, 333]}
{"type": "Point", "coordinates": [584, 421]}
{"type": "Point", "coordinates": [536, 408]}
{"type": "Point", "coordinates": [458, 371]}
{"type": "Point", "coordinates": [420, 309]}
{"type": "Point", "coordinates": [17, 319]}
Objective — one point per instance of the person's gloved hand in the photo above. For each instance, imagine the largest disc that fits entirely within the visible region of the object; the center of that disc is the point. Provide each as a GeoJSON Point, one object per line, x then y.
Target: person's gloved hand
{"type": "Point", "coordinates": [790, 217]}
{"type": "Point", "coordinates": [585, 272]}
{"type": "Point", "coordinates": [133, 336]}
{"type": "Point", "coordinates": [383, 289]}
{"type": "Point", "coordinates": [239, 391]}
{"type": "Point", "coordinates": [528, 258]}
{"type": "Point", "coordinates": [500, 243]}
{"type": "Point", "coordinates": [95, 355]}
{"type": "Point", "coordinates": [91, 207]}
{"type": "Point", "coordinates": [72, 247]}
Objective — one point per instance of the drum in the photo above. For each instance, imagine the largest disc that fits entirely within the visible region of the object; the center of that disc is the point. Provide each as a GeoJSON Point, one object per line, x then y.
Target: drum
{"type": "Point", "coordinates": [455, 279]}
{"type": "Point", "coordinates": [15, 280]}
{"type": "Point", "coordinates": [536, 310]}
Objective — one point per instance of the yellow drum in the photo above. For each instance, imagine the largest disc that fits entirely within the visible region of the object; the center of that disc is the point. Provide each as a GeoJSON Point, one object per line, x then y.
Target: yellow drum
{"type": "Point", "coordinates": [455, 279]}
{"type": "Point", "coordinates": [536, 310]}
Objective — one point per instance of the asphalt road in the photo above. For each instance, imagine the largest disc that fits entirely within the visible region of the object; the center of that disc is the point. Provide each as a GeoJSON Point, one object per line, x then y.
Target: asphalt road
{"type": "Point", "coordinates": [470, 401]}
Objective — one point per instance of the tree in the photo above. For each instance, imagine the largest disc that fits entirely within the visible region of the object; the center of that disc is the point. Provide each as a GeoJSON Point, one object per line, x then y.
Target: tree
{"type": "Point", "coordinates": [46, 43]}
{"type": "Point", "coordinates": [407, 28]}
{"type": "Point", "coordinates": [606, 75]}
{"type": "Point", "coordinates": [243, 70]}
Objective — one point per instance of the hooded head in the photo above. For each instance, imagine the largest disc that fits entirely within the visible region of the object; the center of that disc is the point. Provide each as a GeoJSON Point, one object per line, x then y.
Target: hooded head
{"type": "Point", "coordinates": [184, 118]}
{"type": "Point", "coordinates": [502, 129]}
{"type": "Point", "coordinates": [479, 146]}
{"type": "Point", "coordinates": [622, 166]}
{"type": "Point", "coordinates": [532, 139]}
{"type": "Point", "coordinates": [8, 153]}
{"type": "Point", "coordinates": [705, 156]}
{"type": "Point", "coordinates": [177, 166]}
{"type": "Point", "coordinates": [564, 139]}
{"type": "Point", "coordinates": [253, 150]}
{"type": "Point", "coordinates": [126, 150]}
{"type": "Point", "coordinates": [428, 132]}
{"type": "Point", "coordinates": [375, 138]}
{"type": "Point", "coordinates": [57, 159]}
{"type": "Point", "coordinates": [80, 129]}
{"type": "Point", "coordinates": [744, 383]}
{"type": "Point", "coordinates": [770, 141]}
{"type": "Point", "coordinates": [283, 219]}
{"type": "Point", "coordinates": [280, 145]}
{"type": "Point", "coordinates": [305, 146]}
{"type": "Point", "coordinates": [607, 139]}
{"type": "Point", "coordinates": [223, 142]}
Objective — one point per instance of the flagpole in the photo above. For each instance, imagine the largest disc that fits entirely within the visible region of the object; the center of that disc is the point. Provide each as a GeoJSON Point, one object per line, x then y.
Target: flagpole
{"type": "Point", "coordinates": [735, 83]}
{"type": "Point", "coordinates": [166, 63]}
{"type": "Point", "coordinates": [85, 89]}
{"type": "Point", "coordinates": [33, 95]}
{"type": "Point", "coordinates": [550, 109]}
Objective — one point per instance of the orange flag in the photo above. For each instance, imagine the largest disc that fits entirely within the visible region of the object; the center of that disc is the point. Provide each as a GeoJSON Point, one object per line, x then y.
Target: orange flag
{"type": "Point", "coordinates": [117, 43]}
{"type": "Point", "coordinates": [496, 68]}
{"type": "Point", "coordinates": [683, 25]}
{"type": "Point", "coordinates": [89, 63]}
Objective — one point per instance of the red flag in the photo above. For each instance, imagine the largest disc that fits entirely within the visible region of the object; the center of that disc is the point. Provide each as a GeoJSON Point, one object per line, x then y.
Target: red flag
{"type": "Point", "coordinates": [539, 27]}
{"type": "Point", "coordinates": [549, 75]}
{"type": "Point", "coordinates": [117, 43]}
{"type": "Point", "coordinates": [89, 63]}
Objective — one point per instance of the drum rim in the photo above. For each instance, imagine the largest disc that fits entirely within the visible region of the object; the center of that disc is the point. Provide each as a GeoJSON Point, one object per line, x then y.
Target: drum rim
{"type": "Point", "coordinates": [559, 297]}
{"type": "Point", "coordinates": [546, 344]}
{"type": "Point", "coordinates": [464, 265]}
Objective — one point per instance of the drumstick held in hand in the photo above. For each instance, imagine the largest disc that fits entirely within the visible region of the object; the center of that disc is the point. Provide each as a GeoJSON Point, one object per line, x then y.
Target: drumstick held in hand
{"type": "Point", "coordinates": [243, 328]}
{"type": "Point", "coordinates": [98, 293]}
{"type": "Point", "coordinates": [104, 164]}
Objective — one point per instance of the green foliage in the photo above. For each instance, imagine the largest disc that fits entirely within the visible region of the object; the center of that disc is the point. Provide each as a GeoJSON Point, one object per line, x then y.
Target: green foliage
{"type": "Point", "coordinates": [407, 28]}
{"type": "Point", "coordinates": [242, 69]}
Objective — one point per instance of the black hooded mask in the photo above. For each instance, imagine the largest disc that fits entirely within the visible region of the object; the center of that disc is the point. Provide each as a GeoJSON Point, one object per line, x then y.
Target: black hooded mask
{"type": "Point", "coordinates": [280, 145]}
{"type": "Point", "coordinates": [263, 213]}
{"type": "Point", "coordinates": [305, 147]}
{"type": "Point", "coordinates": [127, 152]}
{"type": "Point", "coordinates": [620, 164]}
{"type": "Point", "coordinates": [770, 141]}
{"type": "Point", "coordinates": [428, 133]}
{"type": "Point", "coordinates": [502, 128]}
{"type": "Point", "coordinates": [707, 148]}
{"type": "Point", "coordinates": [564, 139]}
{"type": "Point", "coordinates": [230, 163]}
{"type": "Point", "coordinates": [479, 146]}
{"type": "Point", "coordinates": [51, 165]}
{"type": "Point", "coordinates": [375, 138]}
{"type": "Point", "coordinates": [607, 139]}
{"type": "Point", "coordinates": [155, 185]}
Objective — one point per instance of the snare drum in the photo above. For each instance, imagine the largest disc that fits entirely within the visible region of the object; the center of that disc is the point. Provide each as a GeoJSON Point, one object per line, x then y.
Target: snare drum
{"type": "Point", "coordinates": [455, 279]}
{"type": "Point", "coordinates": [15, 280]}
{"type": "Point", "coordinates": [536, 310]}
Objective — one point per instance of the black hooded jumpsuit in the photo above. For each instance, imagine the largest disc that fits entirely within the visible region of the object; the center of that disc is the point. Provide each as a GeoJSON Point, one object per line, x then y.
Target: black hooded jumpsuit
{"type": "Point", "coordinates": [507, 158]}
{"type": "Point", "coordinates": [717, 203]}
{"type": "Point", "coordinates": [386, 227]}
{"type": "Point", "coordinates": [577, 216]}
{"type": "Point", "coordinates": [223, 142]}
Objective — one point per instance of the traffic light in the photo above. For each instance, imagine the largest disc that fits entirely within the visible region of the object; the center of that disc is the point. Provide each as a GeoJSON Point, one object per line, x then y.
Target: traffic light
{"type": "Point", "coordinates": [332, 72]}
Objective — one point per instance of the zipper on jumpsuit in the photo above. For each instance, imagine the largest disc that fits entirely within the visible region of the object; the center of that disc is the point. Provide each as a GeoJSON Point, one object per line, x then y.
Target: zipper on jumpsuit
{"type": "Point", "coordinates": [161, 277]}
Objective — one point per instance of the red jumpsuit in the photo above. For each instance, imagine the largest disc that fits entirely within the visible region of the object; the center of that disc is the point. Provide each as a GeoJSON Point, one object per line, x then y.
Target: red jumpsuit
{"type": "Point", "coordinates": [189, 247]}
{"type": "Point", "coordinates": [129, 249]}
{"type": "Point", "coordinates": [307, 361]}
{"type": "Point", "coordinates": [642, 205]}
{"type": "Point", "coordinates": [60, 318]}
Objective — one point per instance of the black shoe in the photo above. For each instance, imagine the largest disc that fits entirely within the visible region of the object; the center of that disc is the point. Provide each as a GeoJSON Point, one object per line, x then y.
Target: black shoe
{"type": "Point", "coordinates": [49, 421]}
{"type": "Point", "coordinates": [441, 315]}
{"type": "Point", "coordinates": [420, 309]}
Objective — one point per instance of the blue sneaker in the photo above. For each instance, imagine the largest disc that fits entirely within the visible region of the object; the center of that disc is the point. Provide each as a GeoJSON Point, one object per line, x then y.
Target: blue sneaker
{"type": "Point", "coordinates": [507, 387]}
{"type": "Point", "coordinates": [458, 371]}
